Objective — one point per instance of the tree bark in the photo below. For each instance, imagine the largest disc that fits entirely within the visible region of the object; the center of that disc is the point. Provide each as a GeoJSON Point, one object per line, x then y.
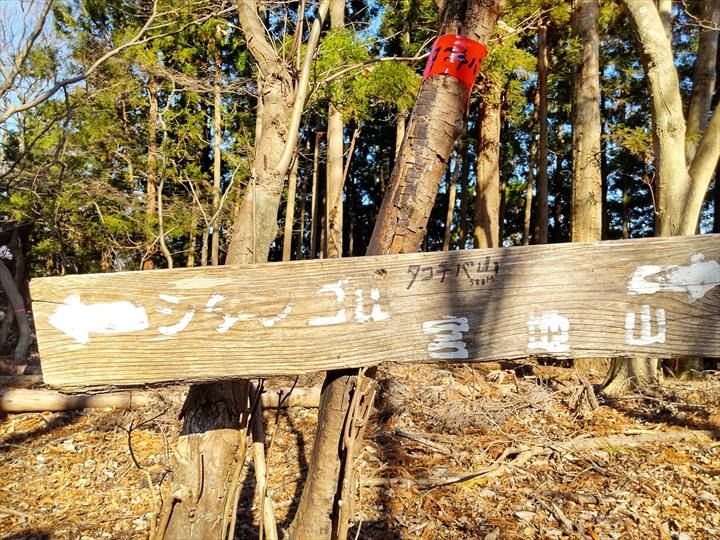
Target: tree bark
{"type": "Point", "coordinates": [201, 499]}
{"type": "Point", "coordinates": [290, 210]}
{"type": "Point", "coordinates": [200, 502]}
{"type": "Point", "coordinates": [630, 375]}
{"type": "Point", "coordinates": [486, 230]}
{"type": "Point", "coordinates": [437, 120]}
{"type": "Point", "coordinates": [464, 200]}
{"type": "Point", "coordinates": [452, 193]}
{"type": "Point", "coordinates": [680, 186]}
{"type": "Point", "coordinates": [18, 306]}
{"type": "Point", "coordinates": [587, 175]}
{"type": "Point", "coordinates": [335, 152]}
{"type": "Point", "coordinates": [152, 160]}
{"type": "Point", "coordinates": [704, 77]}
{"type": "Point", "coordinates": [217, 163]}
{"type": "Point", "coordinates": [314, 199]}
{"type": "Point", "coordinates": [541, 223]}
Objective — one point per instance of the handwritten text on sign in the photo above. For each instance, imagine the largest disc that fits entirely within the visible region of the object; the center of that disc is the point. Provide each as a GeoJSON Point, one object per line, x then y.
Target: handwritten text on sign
{"type": "Point", "coordinates": [549, 331]}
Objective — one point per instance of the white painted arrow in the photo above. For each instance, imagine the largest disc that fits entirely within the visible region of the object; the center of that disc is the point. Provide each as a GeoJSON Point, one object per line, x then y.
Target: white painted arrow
{"type": "Point", "coordinates": [78, 320]}
{"type": "Point", "coordinates": [699, 277]}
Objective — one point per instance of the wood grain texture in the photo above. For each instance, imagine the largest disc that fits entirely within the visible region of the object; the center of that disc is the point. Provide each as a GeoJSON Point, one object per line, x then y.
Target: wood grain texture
{"type": "Point", "coordinates": [562, 300]}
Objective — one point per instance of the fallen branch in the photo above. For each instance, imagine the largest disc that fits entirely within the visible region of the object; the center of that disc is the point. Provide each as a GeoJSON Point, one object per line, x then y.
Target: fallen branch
{"type": "Point", "coordinates": [19, 400]}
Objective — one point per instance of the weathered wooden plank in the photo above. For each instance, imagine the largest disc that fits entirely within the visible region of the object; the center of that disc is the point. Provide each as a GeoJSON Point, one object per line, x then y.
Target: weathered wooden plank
{"type": "Point", "coordinates": [637, 297]}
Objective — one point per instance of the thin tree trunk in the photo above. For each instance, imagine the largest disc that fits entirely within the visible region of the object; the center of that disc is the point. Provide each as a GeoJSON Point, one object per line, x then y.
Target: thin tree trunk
{"type": "Point", "coordinates": [464, 200]}
{"type": "Point", "coordinates": [18, 306]}
{"type": "Point", "coordinates": [314, 202]}
{"type": "Point", "coordinates": [290, 210]}
{"type": "Point", "coordinates": [192, 233]}
{"type": "Point", "coordinates": [435, 124]}
{"type": "Point", "coordinates": [530, 185]}
{"type": "Point", "coordinates": [204, 246]}
{"type": "Point", "coordinates": [399, 131]}
{"type": "Point", "coordinates": [486, 230]}
{"type": "Point", "coordinates": [541, 223]}
{"type": "Point", "coordinates": [587, 175]}
{"type": "Point", "coordinates": [217, 162]}
{"type": "Point", "coordinates": [152, 167]}
{"type": "Point", "coordinates": [452, 191]}
{"type": "Point", "coordinates": [334, 162]}
{"type": "Point", "coordinates": [303, 208]}
{"type": "Point", "coordinates": [704, 77]}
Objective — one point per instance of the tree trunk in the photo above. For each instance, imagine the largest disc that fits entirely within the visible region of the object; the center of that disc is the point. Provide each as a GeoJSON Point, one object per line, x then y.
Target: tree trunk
{"type": "Point", "coordinates": [299, 253]}
{"type": "Point", "coordinates": [335, 151]}
{"type": "Point", "coordinates": [587, 175]}
{"type": "Point", "coordinates": [437, 120]}
{"type": "Point", "coordinates": [152, 160]}
{"type": "Point", "coordinates": [486, 231]}
{"type": "Point", "coordinates": [314, 199]}
{"type": "Point", "coordinates": [541, 223]}
{"type": "Point", "coordinates": [290, 210]}
{"type": "Point", "coordinates": [464, 199]}
{"type": "Point", "coordinates": [217, 163]}
{"type": "Point", "coordinates": [630, 375]}
{"type": "Point", "coordinates": [18, 306]}
{"type": "Point", "coordinates": [530, 185]}
{"type": "Point", "coordinates": [192, 233]}
{"type": "Point", "coordinates": [704, 77]}
{"type": "Point", "coordinates": [665, 10]}
{"type": "Point", "coordinates": [452, 192]}
{"type": "Point", "coordinates": [201, 499]}
{"type": "Point", "coordinates": [680, 187]}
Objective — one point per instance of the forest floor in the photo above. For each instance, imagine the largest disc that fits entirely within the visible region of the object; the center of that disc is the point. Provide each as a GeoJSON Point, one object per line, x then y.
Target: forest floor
{"type": "Point", "coordinates": [452, 451]}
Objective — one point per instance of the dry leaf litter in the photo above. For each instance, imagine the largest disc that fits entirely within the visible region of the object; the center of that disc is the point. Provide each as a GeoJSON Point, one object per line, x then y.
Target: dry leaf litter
{"type": "Point", "coordinates": [484, 451]}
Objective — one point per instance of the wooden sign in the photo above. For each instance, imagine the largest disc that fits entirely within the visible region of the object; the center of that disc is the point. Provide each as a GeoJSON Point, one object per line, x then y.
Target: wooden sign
{"type": "Point", "coordinates": [656, 297]}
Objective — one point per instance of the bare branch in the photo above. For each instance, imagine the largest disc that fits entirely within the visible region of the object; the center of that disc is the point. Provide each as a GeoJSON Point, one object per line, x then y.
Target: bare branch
{"type": "Point", "coordinates": [23, 54]}
{"type": "Point", "coordinates": [138, 39]}
{"type": "Point", "coordinates": [301, 91]}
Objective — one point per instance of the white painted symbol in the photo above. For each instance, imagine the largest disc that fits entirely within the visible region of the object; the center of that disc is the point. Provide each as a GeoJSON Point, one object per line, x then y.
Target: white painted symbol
{"type": "Point", "coordinates": [212, 302]}
{"type": "Point", "coordinates": [272, 321]}
{"type": "Point", "coordinates": [448, 343]}
{"type": "Point", "coordinates": [376, 313]}
{"type": "Point", "coordinates": [78, 320]}
{"type": "Point", "coordinates": [699, 277]}
{"type": "Point", "coordinates": [338, 289]}
{"type": "Point", "coordinates": [646, 335]}
{"type": "Point", "coordinates": [340, 317]}
{"type": "Point", "coordinates": [549, 332]}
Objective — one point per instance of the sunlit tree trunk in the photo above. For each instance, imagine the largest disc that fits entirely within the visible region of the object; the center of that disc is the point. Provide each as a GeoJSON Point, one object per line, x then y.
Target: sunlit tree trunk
{"type": "Point", "coordinates": [704, 76]}
{"type": "Point", "coordinates": [452, 193]}
{"type": "Point", "coordinates": [541, 221]}
{"type": "Point", "coordinates": [680, 186]}
{"type": "Point", "coordinates": [217, 163]}
{"type": "Point", "coordinates": [631, 375]}
{"type": "Point", "coordinates": [437, 120]}
{"type": "Point", "coordinates": [152, 168]}
{"type": "Point", "coordinates": [486, 230]}
{"type": "Point", "coordinates": [587, 175]}
{"type": "Point", "coordinates": [335, 151]}
{"type": "Point", "coordinates": [200, 499]}
{"type": "Point", "coordinates": [290, 211]}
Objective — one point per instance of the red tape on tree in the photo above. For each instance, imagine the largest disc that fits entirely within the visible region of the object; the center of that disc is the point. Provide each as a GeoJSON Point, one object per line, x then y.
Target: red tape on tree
{"type": "Point", "coordinates": [457, 56]}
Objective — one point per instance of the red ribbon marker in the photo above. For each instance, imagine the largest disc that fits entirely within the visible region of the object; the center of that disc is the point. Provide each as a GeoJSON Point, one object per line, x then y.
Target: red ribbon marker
{"type": "Point", "coordinates": [457, 56]}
